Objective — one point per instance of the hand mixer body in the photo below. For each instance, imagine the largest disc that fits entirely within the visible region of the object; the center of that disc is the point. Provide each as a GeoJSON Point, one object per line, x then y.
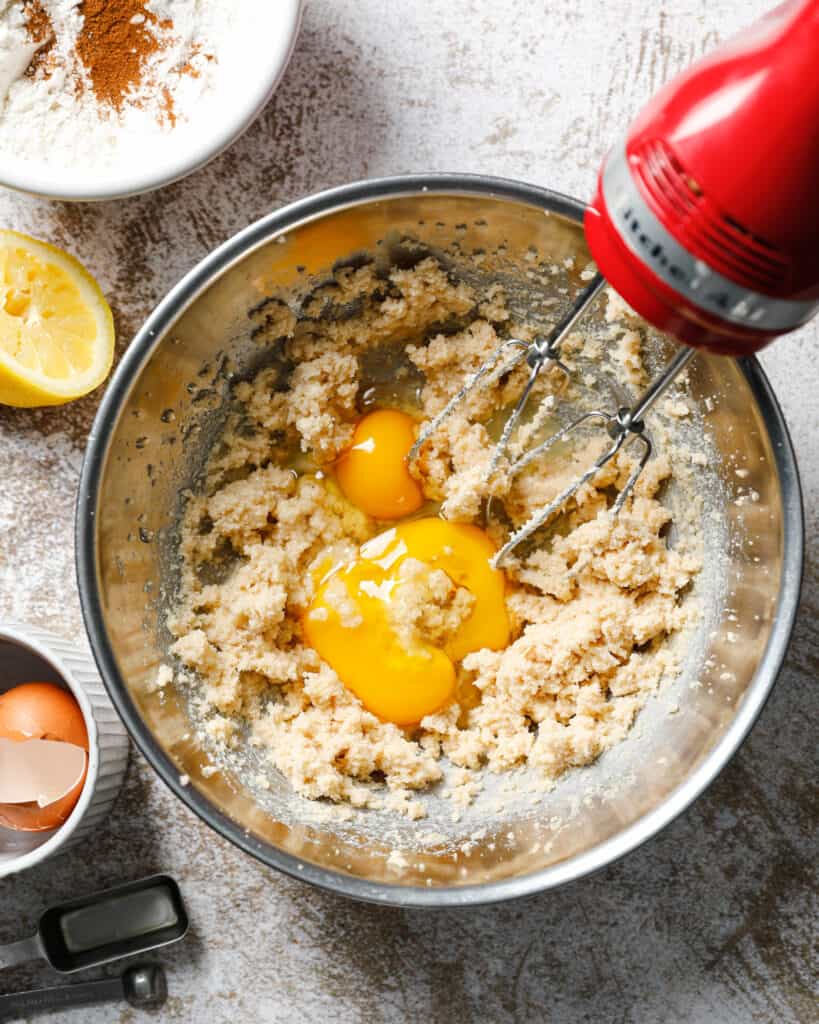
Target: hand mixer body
{"type": "Point", "coordinates": [706, 215]}
{"type": "Point", "coordinates": [706, 220]}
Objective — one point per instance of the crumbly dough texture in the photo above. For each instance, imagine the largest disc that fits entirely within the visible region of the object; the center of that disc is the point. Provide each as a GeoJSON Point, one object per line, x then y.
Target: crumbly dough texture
{"type": "Point", "coordinates": [591, 611]}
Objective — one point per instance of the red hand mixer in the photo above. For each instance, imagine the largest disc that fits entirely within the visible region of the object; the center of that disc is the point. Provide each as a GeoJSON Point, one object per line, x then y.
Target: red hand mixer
{"type": "Point", "coordinates": [705, 220]}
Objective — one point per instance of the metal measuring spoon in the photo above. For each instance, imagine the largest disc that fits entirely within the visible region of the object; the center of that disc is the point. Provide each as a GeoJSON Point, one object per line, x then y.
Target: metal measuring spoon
{"type": "Point", "coordinates": [91, 930]}
{"type": "Point", "coordinates": [142, 986]}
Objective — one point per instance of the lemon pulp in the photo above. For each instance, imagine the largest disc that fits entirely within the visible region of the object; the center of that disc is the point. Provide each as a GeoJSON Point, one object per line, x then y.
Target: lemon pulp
{"type": "Point", "coordinates": [56, 329]}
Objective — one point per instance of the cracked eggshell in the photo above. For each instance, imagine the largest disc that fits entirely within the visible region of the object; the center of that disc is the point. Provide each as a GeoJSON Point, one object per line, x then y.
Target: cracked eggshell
{"type": "Point", "coordinates": [41, 711]}
{"type": "Point", "coordinates": [41, 771]}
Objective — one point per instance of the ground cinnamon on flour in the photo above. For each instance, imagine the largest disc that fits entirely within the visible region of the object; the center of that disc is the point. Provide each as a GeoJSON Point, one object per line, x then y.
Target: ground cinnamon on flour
{"type": "Point", "coordinates": [99, 83]}
{"type": "Point", "coordinates": [116, 39]}
{"type": "Point", "coordinates": [41, 31]}
{"type": "Point", "coordinates": [38, 22]}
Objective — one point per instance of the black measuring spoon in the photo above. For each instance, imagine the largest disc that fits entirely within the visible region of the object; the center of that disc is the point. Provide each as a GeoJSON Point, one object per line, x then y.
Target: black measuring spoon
{"type": "Point", "coordinates": [143, 987]}
{"type": "Point", "coordinates": [128, 919]}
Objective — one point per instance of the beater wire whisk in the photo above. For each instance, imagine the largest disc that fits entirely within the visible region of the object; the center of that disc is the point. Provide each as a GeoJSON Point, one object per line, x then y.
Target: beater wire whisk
{"type": "Point", "coordinates": [537, 354]}
{"type": "Point", "coordinates": [624, 426]}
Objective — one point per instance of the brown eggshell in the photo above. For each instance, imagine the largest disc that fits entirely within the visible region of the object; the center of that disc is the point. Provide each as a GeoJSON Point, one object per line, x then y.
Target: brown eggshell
{"type": "Point", "coordinates": [33, 818]}
{"type": "Point", "coordinates": [42, 711]}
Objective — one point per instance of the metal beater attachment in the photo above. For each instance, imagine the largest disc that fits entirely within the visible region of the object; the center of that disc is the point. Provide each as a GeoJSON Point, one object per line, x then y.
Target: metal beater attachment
{"type": "Point", "coordinates": [625, 426]}
{"type": "Point", "coordinates": [536, 353]}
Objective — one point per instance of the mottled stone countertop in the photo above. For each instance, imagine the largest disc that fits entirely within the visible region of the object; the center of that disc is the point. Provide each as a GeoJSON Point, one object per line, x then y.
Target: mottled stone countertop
{"type": "Point", "coordinates": [713, 920]}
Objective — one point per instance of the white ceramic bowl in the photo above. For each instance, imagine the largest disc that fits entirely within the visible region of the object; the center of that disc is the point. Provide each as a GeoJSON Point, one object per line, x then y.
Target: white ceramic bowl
{"type": "Point", "coordinates": [256, 61]}
{"type": "Point", "coordinates": [32, 655]}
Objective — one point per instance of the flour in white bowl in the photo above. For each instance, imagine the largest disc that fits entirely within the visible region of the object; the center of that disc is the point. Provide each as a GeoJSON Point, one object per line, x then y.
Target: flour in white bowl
{"type": "Point", "coordinates": [87, 85]}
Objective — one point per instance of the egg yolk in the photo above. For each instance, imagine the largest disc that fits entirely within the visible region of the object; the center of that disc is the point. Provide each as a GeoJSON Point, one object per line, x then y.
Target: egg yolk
{"type": "Point", "coordinates": [372, 472]}
{"type": "Point", "coordinates": [350, 625]}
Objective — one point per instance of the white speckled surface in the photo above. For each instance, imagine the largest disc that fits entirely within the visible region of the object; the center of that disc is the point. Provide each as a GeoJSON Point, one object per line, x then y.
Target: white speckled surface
{"type": "Point", "coordinates": [712, 921]}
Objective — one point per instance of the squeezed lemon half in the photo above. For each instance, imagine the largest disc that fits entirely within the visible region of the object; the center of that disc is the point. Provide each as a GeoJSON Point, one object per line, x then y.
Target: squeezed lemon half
{"type": "Point", "coordinates": [56, 329]}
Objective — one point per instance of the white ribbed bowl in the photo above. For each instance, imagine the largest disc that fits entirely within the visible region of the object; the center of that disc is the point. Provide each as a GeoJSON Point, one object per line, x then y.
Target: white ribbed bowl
{"type": "Point", "coordinates": [31, 654]}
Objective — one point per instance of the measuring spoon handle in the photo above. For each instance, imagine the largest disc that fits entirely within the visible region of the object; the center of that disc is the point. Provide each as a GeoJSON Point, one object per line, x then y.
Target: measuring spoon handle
{"type": "Point", "coordinates": [21, 1004]}
{"type": "Point", "coordinates": [18, 952]}
{"type": "Point", "coordinates": [142, 986]}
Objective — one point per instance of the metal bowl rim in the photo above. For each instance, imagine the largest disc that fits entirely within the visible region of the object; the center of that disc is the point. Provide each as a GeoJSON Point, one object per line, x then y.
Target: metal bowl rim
{"type": "Point", "coordinates": [139, 352]}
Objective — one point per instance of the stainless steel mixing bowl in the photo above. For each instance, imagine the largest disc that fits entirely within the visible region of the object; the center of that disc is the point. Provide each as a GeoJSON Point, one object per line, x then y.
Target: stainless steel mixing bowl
{"type": "Point", "coordinates": [160, 415]}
